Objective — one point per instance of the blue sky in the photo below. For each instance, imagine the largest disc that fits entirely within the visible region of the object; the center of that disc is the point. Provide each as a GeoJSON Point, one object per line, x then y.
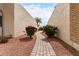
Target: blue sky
{"type": "Point", "coordinates": [41, 10]}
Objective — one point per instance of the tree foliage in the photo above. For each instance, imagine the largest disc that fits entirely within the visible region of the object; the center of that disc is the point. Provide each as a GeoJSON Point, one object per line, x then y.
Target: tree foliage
{"type": "Point", "coordinates": [38, 21]}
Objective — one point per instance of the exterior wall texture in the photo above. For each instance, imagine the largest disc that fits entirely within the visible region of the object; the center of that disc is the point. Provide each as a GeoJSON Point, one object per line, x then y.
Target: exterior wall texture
{"type": "Point", "coordinates": [74, 15]}
{"type": "Point", "coordinates": [74, 21]}
{"type": "Point", "coordinates": [8, 18]}
{"type": "Point", "coordinates": [22, 19]}
{"type": "Point", "coordinates": [60, 18]}
{"type": "Point", "coordinates": [15, 19]}
{"type": "Point", "coordinates": [64, 17]}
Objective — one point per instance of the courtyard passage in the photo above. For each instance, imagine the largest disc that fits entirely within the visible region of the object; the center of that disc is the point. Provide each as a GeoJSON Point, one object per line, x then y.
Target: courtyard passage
{"type": "Point", "coordinates": [52, 47]}
{"type": "Point", "coordinates": [40, 45]}
{"type": "Point", "coordinates": [42, 48]}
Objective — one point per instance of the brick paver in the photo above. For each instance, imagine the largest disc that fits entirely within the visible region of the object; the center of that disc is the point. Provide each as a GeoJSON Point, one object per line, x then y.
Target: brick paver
{"type": "Point", "coordinates": [42, 48]}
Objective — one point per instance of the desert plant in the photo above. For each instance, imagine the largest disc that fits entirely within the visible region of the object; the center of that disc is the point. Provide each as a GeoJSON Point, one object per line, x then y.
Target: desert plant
{"type": "Point", "coordinates": [50, 30]}
{"type": "Point", "coordinates": [30, 31]}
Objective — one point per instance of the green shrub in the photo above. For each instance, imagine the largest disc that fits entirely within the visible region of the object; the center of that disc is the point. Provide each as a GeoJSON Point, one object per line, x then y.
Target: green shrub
{"type": "Point", "coordinates": [50, 30]}
{"type": "Point", "coordinates": [40, 28]}
{"type": "Point", "coordinates": [30, 31]}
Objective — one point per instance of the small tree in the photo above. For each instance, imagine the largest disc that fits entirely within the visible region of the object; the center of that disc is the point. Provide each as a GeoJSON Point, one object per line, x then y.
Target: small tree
{"type": "Point", "coordinates": [38, 21]}
{"type": "Point", "coordinates": [30, 31]}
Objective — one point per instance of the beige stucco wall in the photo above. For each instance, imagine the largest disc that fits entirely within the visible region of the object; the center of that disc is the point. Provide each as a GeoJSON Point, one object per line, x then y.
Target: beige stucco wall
{"type": "Point", "coordinates": [60, 18]}
{"type": "Point", "coordinates": [65, 17]}
{"type": "Point", "coordinates": [8, 17]}
{"type": "Point", "coordinates": [15, 19]}
{"type": "Point", "coordinates": [22, 19]}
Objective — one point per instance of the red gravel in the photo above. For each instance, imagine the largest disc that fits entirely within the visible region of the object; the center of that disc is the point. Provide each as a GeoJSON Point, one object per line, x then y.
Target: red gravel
{"type": "Point", "coordinates": [21, 46]}
{"type": "Point", "coordinates": [61, 48]}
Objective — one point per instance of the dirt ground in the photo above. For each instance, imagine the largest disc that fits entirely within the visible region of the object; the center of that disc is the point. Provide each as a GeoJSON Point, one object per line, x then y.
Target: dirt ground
{"type": "Point", "coordinates": [21, 46]}
{"type": "Point", "coordinates": [60, 47]}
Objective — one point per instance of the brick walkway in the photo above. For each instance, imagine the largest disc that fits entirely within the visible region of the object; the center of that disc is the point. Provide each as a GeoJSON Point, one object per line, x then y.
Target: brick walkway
{"type": "Point", "coordinates": [42, 48]}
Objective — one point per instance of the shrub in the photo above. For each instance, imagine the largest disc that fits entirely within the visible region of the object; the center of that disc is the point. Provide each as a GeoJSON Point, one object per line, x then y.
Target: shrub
{"type": "Point", "coordinates": [40, 28]}
{"type": "Point", "coordinates": [30, 31]}
{"type": "Point", "coordinates": [50, 30]}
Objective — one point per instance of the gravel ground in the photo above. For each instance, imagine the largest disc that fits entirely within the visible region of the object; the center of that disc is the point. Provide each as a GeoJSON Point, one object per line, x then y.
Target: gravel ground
{"type": "Point", "coordinates": [21, 46]}
{"type": "Point", "coordinates": [60, 47]}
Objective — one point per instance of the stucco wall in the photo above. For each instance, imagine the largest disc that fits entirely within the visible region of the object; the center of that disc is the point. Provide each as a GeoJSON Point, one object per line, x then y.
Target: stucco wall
{"type": "Point", "coordinates": [61, 19]}
{"type": "Point", "coordinates": [15, 19]}
{"type": "Point", "coordinates": [66, 18]}
{"type": "Point", "coordinates": [8, 17]}
{"type": "Point", "coordinates": [22, 19]}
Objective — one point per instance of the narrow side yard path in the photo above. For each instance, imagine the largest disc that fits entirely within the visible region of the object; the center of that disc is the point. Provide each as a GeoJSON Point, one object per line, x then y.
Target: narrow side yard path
{"type": "Point", "coordinates": [42, 48]}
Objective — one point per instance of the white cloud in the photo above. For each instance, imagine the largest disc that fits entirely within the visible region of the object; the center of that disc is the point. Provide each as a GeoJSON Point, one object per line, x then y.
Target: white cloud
{"type": "Point", "coordinates": [37, 11]}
